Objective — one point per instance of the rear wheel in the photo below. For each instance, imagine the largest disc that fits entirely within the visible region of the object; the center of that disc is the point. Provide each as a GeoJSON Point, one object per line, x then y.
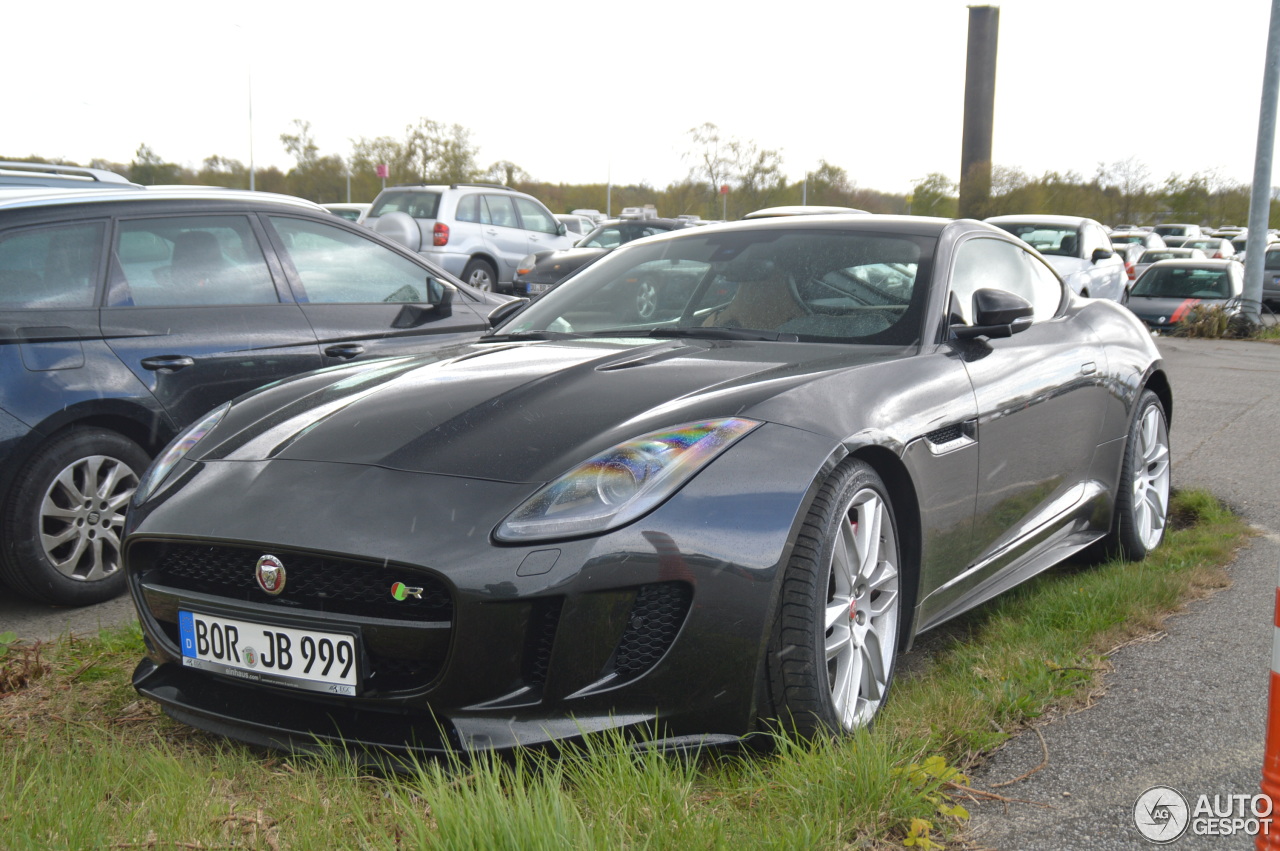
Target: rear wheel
{"type": "Point", "coordinates": [480, 275]}
{"type": "Point", "coordinates": [1142, 498]}
{"type": "Point", "coordinates": [64, 519]}
{"type": "Point", "coordinates": [836, 633]}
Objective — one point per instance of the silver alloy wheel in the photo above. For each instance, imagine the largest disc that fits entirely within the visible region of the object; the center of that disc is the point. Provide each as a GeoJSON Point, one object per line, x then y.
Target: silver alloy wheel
{"type": "Point", "coordinates": [480, 279]}
{"type": "Point", "coordinates": [646, 299]}
{"type": "Point", "coordinates": [861, 618]}
{"type": "Point", "coordinates": [1151, 477]}
{"type": "Point", "coordinates": [82, 517]}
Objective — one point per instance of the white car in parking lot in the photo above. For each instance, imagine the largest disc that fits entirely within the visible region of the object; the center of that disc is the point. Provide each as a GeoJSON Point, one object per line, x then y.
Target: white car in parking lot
{"type": "Point", "coordinates": [1078, 249]}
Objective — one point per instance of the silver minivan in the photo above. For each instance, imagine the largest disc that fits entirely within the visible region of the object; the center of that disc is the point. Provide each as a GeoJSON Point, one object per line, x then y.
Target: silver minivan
{"type": "Point", "coordinates": [476, 231]}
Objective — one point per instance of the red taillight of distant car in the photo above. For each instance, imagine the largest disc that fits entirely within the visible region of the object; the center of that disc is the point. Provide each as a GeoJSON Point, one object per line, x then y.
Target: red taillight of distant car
{"type": "Point", "coordinates": [1128, 268]}
{"type": "Point", "coordinates": [440, 234]}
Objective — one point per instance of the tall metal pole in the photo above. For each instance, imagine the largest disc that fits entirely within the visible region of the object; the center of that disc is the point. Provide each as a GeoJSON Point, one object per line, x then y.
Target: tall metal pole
{"type": "Point", "coordinates": [979, 110]}
{"type": "Point", "coordinates": [251, 187]}
{"type": "Point", "coordinates": [1260, 198]}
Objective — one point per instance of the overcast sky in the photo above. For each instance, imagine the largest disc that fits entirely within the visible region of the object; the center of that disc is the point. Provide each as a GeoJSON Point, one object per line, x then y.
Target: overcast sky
{"type": "Point", "coordinates": [577, 93]}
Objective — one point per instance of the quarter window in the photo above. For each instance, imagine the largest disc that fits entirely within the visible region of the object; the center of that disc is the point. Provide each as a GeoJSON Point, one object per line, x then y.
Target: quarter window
{"type": "Point", "coordinates": [50, 267]}
{"type": "Point", "coordinates": [471, 209]}
{"type": "Point", "coordinates": [337, 266]}
{"type": "Point", "coordinates": [189, 261]}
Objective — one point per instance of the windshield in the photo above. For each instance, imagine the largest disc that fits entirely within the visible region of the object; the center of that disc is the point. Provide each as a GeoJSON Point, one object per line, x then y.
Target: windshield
{"type": "Point", "coordinates": [1183, 282]}
{"type": "Point", "coordinates": [808, 285]}
{"type": "Point", "coordinates": [1047, 239]}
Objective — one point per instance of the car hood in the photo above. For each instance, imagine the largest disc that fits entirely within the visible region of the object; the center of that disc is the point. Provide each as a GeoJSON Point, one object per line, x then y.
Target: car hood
{"type": "Point", "coordinates": [521, 412]}
{"type": "Point", "coordinates": [560, 263]}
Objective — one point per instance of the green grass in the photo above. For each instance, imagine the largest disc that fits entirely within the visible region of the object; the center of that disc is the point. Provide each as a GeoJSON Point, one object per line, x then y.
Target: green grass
{"type": "Point", "coordinates": [85, 764]}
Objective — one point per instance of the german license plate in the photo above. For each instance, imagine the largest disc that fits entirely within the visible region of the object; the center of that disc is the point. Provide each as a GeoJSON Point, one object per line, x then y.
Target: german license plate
{"type": "Point", "coordinates": [301, 658]}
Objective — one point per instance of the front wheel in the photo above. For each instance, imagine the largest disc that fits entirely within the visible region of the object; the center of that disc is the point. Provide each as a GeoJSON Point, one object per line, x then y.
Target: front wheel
{"type": "Point", "coordinates": [647, 298]}
{"type": "Point", "coordinates": [837, 628]}
{"type": "Point", "coordinates": [64, 518]}
{"type": "Point", "coordinates": [481, 275]}
{"type": "Point", "coordinates": [1142, 497]}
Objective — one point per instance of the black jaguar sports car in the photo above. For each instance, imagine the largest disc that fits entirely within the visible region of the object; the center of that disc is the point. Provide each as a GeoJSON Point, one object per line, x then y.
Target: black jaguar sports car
{"type": "Point", "coordinates": [836, 433]}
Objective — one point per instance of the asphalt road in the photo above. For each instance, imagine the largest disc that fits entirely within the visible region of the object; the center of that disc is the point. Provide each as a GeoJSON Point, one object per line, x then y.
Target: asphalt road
{"type": "Point", "coordinates": [1186, 711]}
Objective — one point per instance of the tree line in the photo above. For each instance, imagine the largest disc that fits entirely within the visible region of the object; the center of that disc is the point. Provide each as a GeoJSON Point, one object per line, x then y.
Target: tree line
{"type": "Point", "coordinates": [436, 152]}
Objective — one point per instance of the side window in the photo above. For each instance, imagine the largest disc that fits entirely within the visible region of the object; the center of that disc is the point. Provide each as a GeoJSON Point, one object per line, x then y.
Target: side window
{"type": "Point", "coordinates": [607, 238]}
{"type": "Point", "coordinates": [534, 217]}
{"type": "Point", "coordinates": [188, 261]}
{"type": "Point", "coordinates": [501, 211]}
{"type": "Point", "coordinates": [50, 267]}
{"type": "Point", "coordinates": [995, 264]}
{"type": "Point", "coordinates": [471, 209]}
{"type": "Point", "coordinates": [1095, 238]}
{"type": "Point", "coordinates": [337, 266]}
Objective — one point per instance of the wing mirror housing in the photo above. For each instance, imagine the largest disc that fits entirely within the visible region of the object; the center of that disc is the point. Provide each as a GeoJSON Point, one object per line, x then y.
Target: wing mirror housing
{"type": "Point", "coordinates": [505, 311]}
{"type": "Point", "coordinates": [996, 313]}
{"type": "Point", "coordinates": [561, 229]}
{"type": "Point", "coordinates": [1101, 254]}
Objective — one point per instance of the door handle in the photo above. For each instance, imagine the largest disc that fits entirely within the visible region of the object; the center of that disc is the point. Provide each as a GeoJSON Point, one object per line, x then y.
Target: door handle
{"type": "Point", "coordinates": [167, 362]}
{"type": "Point", "coordinates": [1089, 368]}
{"type": "Point", "coordinates": [346, 351]}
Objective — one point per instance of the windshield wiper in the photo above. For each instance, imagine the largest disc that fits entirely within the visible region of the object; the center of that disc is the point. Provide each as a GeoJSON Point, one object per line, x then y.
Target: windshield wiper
{"type": "Point", "coordinates": [719, 332]}
{"type": "Point", "coordinates": [528, 335]}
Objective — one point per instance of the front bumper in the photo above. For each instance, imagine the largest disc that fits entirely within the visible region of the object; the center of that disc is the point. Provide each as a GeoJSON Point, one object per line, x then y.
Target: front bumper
{"type": "Point", "coordinates": [657, 629]}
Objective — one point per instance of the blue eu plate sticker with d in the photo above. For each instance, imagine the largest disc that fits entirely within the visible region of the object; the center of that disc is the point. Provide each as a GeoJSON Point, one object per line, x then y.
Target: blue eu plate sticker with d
{"type": "Point", "coordinates": [187, 630]}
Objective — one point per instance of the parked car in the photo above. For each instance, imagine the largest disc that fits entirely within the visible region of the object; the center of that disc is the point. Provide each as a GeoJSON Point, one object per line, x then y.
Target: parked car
{"type": "Point", "coordinates": [1146, 239]}
{"type": "Point", "coordinates": [1079, 249]}
{"type": "Point", "coordinates": [1169, 289]}
{"type": "Point", "coordinates": [801, 210]}
{"type": "Point", "coordinates": [579, 226]}
{"type": "Point", "coordinates": [1178, 229]}
{"type": "Point", "coordinates": [1155, 255]}
{"type": "Point", "coordinates": [689, 528]}
{"type": "Point", "coordinates": [1215, 248]}
{"type": "Point", "coordinates": [541, 271]}
{"type": "Point", "coordinates": [648, 211]}
{"type": "Point", "coordinates": [352, 212]}
{"type": "Point", "coordinates": [126, 315]}
{"type": "Point", "coordinates": [1271, 278]}
{"type": "Point", "coordinates": [475, 231]}
{"type": "Point", "coordinates": [34, 176]}
{"type": "Point", "coordinates": [595, 215]}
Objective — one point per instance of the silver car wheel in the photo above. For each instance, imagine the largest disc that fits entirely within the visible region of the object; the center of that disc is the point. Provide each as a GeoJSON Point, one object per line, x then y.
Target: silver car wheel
{"type": "Point", "coordinates": [480, 280]}
{"type": "Point", "coordinates": [646, 299]}
{"type": "Point", "coordinates": [82, 517]}
{"type": "Point", "coordinates": [861, 617]}
{"type": "Point", "coordinates": [1151, 478]}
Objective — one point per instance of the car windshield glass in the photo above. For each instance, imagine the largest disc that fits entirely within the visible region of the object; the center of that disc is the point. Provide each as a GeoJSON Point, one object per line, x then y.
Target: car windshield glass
{"type": "Point", "coordinates": [1183, 282]}
{"type": "Point", "coordinates": [1047, 239]}
{"type": "Point", "coordinates": [420, 205]}
{"type": "Point", "coordinates": [808, 285]}
{"type": "Point", "coordinates": [1154, 256]}
{"type": "Point", "coordinates": [1125, 239]}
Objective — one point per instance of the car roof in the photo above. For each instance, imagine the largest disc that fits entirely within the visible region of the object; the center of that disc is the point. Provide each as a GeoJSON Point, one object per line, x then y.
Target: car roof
{"type": "Point", "coordinates": [1031, 219]}
{"type": "Point", "coordinates": [802, 210]}
{"type": "Point", "coordinates": [874, 222]}
{"type": "Point", "coordinates": [46, 197]}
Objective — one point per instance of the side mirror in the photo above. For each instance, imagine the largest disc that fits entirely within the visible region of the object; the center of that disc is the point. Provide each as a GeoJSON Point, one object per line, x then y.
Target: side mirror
{"type": "Point", "coordinates": [1101, 254]}
{"type": "Point", "coordinates": [996, 313]}
{"type": "Point", "coordinates": [505, 311]}
{"type": "Point", "coordinates": [561, 228]}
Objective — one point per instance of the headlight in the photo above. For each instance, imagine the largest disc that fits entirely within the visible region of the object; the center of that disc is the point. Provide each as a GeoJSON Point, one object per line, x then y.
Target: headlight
{"type": "Point", "coordinates": [622, 483]}
{"type": "Point", "coordinates": [526, 265]}
{"type": "Point", "coordinates": [175, 452]}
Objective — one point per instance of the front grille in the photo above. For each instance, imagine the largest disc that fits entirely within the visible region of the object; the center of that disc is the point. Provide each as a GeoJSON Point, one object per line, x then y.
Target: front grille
{"type": "Point", "coordinates": [317, 583]}
{"type": "Point", "coordinates": [656, 616]}
{"type": "Point", "coordinates": [406, 651]}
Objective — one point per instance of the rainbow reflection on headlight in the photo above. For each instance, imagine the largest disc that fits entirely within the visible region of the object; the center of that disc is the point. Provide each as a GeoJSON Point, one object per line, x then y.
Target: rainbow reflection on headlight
{"type": "Point", "coordinates": [623, 482]}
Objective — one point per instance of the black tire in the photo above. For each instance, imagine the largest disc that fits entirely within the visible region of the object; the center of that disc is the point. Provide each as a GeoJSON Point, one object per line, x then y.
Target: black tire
{"type": "Point", "coordinates": [808, 662]}
{"type": "Point", "coordinates": [1142, 496]}
{"type": "Point", "coordinates": [481, 275]}
{"type": "Point", "coordinates": [64, 518]}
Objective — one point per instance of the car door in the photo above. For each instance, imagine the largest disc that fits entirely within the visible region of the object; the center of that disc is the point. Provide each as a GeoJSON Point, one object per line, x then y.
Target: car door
{"type": "Point", "coordinates": [540, 226]}
{"type": "Point", "coordinates": [52, 357]}
{"type": "Point", "coordinates": [365, 299]}
{"type": "Point", "coordinates": [193, 308]}
{"type": "Point", "coordinates": [1040, 402]}
{"type": "Point", "coordinates": [1107, 278]}
{"type": "Point", "coordinates": [504, 236]}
